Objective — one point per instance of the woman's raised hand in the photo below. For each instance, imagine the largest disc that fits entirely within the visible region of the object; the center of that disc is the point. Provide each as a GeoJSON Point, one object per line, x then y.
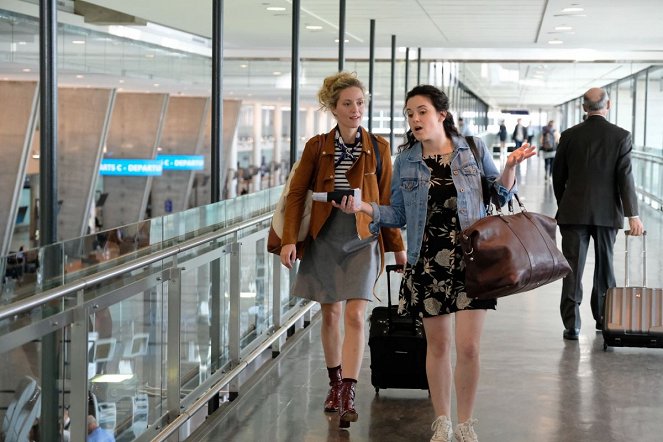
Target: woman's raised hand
{"type": "Point", "coordinates": [521, 154]}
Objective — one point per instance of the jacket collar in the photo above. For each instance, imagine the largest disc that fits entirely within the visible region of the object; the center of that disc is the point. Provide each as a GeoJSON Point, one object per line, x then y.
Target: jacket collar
{"type": "Point", "coordinates": [415, 153]}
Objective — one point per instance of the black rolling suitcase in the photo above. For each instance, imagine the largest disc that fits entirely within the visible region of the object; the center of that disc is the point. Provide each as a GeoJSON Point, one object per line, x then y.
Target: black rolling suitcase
{"type": "Point", "coordinates": [398, 347]}
{"type": "Point", "coordinates": [633, 315]}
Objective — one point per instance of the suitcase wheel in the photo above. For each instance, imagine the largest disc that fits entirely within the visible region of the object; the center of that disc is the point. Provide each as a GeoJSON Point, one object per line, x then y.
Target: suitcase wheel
{"type": "Point", "coordinates": [377, 390]}
{"type": "Point", "coordinates": [605, 346]}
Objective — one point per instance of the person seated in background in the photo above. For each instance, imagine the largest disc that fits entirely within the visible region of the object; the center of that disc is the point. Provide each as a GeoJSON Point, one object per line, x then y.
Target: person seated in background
{"type": "Point", "coordinates": [97, 434]}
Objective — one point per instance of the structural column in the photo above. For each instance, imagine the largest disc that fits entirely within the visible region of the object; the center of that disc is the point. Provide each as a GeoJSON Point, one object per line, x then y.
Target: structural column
{"type": "Point", "coordinates": [257, 143]}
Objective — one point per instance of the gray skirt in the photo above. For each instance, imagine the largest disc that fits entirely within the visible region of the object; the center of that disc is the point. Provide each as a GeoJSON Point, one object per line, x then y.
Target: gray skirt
{"type": "Point", "coordinates": [330, 272]}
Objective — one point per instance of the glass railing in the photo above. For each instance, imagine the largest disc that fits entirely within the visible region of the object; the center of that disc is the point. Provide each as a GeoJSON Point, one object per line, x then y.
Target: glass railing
{"type": "Point", "coordinates": [147, 323]}
{"type": "Point", "coordinates": [648, 175]}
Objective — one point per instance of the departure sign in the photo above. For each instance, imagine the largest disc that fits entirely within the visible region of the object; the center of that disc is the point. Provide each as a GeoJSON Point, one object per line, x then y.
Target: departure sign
{"type": "Point", "coordinates": [130, 167]}
{"type": "Point", "coordinates": [182, 162]}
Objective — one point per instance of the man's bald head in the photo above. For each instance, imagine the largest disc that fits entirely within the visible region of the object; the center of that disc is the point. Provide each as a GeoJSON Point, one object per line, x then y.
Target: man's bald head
{"type": "Point", "coordinates": [596, 101]}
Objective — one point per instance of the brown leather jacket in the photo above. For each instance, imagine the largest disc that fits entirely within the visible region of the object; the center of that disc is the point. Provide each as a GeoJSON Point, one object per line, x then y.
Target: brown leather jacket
{"type": "Point", "coordinates": [318, 159]}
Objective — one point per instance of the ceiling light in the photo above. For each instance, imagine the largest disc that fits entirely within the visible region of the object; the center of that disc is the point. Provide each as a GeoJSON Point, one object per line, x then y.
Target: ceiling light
{"type": "Point", "coordinates": [276, 73]}
{"type": "Point", "coordinates": [79, 76]}
{"type": "Point", "coordinates": [573, 9]}
{"type": "Point", "coordinates": [275, 8]}
{"type": "Point", "coordinates": [313, 27]}
{"type": "Point", "coordinates": [243, 65]}
{"type": "Point", "coordinates": [156, 85]}
{"type": "Point", "coordinates": [563, 28]}
{"type": "Point", "coordinates": [121, 80]}
{"type": "Point", "coordinates": [345, 41]}
{"type": "Point", "coordinates": [22, 42]}
{"type": "Point", "coordinates": [78, 42]}
{"type": "Point", "coordinates": [26, 70]}
{"type": "Point", "coordinates": [111, 378]}
{"type": "Point", "coordinates": [555, 42]}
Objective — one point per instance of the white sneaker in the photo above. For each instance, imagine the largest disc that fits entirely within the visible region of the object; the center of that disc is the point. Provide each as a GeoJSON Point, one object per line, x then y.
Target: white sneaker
{"type": "Point", "coordinates": [442, 430]}
{"type": "Point", "coordinates": [465, 431]}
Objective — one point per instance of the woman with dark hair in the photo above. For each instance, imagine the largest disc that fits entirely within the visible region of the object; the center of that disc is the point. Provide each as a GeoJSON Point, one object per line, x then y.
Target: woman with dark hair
{"type": "Point", "coordinates": [436, 192]}
{"type": "Point", "coordinates": [334, 271]}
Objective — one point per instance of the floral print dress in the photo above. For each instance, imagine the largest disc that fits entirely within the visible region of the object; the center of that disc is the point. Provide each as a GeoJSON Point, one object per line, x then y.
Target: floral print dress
{"type": "Point", "coordinates": [435, 285]}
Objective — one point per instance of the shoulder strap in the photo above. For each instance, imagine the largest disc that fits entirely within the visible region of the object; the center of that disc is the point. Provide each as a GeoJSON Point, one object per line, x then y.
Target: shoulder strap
{"type": "Point", "coordinates": [376, 149]}
{"type": "Point", "coordinates": [478, 156]}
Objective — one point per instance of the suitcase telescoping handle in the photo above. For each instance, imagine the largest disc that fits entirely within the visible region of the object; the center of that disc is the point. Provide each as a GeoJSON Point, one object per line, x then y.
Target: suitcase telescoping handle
{"type": "Point", "coordinates": [393, 268]}
{"type": "Point", "coordinates": [627, 278]}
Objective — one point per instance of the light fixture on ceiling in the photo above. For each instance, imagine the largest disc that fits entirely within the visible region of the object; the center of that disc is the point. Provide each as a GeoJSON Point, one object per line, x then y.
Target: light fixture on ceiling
{"type": "Point", "coordinates": [555, 42]}
{"type": "Point", "coordinates": [26, 70]}
{"type": "Point", "coordinates": [243, 66]}
{"type": "Point", "coordinates": [156, 85]}
{"type": "Point", "coordinates": [275, 8]}
{"type": "Point", "coordinates": [345, 41]}
{"type": "Point", "coordinates": [78, 42]}
{"type": "Point", "coordinates": [121, 80]}
{"type": "Point", "coordinates": [563, 28]}
{"type": "Point", "coordinates": [276, 73]}
{"type": "Point", "coordinates": [313, 27]}
{"type": "Point", "coordinates": [573, 9]}
{"type": "Point", "coordinates": [80, 76]}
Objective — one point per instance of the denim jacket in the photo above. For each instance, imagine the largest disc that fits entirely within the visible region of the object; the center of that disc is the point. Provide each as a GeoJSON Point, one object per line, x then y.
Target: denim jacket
{"type": "Point", "coordinates": [409, 192]}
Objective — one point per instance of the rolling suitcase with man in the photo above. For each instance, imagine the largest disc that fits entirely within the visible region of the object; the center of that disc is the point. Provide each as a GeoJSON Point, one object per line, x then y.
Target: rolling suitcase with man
{"type": "Point", "coordinates": [633, 315]}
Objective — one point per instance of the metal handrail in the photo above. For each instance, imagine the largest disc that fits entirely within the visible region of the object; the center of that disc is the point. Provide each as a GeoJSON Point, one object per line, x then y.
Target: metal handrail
{"type": "Point", "coordinates": [88, 281]}
{"type": "Point", "coordinates": [203, 401]}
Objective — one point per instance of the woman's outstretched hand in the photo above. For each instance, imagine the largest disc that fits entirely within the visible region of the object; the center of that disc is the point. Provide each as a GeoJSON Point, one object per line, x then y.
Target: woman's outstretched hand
{"type": "Point", "coordinates": [521, 154]}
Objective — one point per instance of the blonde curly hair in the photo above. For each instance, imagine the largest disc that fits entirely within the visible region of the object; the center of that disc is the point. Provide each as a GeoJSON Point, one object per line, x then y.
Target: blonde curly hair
{"type": "Point", "coordinates": [334, 84]}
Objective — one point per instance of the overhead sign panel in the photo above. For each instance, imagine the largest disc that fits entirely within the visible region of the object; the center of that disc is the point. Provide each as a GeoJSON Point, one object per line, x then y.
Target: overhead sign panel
{"type": "Point", "coordinates": [182, 162]}
{"type": "Point", "coordinates": [130, 167]}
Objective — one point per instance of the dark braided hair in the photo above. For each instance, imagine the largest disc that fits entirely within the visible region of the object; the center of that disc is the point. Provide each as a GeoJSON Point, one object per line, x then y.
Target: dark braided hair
{"type": "Point", "coordinates": [440, 102]}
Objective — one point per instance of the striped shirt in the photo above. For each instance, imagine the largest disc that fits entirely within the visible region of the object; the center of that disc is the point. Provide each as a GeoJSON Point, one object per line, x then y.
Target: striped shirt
{"type": "Point", "coordinates": [344, 158]}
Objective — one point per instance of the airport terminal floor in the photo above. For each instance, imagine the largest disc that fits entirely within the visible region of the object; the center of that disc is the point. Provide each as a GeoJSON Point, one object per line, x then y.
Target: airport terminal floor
{"type": "Point", "coordinates": [534, 387]}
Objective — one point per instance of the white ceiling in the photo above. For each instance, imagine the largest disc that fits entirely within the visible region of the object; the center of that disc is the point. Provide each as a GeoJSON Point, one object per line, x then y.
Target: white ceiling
{"type": "Point", "coordinates": [502, 45]}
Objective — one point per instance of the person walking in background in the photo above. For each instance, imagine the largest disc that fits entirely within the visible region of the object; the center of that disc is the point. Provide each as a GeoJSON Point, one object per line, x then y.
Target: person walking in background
{"type": "Point", "coordinates": [548, 147]}
{"type": "Point", "coordinates": [594, 189]}
{"type": "Point", "coordinates": [519, 135]}
{"type": "Point", "coordinates": [330, 272]}
{"type": "Point", "coordinates": [436, 192]}
{"type": "Point", "coordinates": [502, 134]}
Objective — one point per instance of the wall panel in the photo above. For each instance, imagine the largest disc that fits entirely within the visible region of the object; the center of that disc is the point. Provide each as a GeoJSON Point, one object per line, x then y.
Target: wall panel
{"type": "Point", "coordinates": [134, 132]}
{"type": "Point", "coordinates": [82, 123]}
{"type": "Point", "coordinates": [182, 135]}
{"type": "Point", "coordinates": [17, 117]}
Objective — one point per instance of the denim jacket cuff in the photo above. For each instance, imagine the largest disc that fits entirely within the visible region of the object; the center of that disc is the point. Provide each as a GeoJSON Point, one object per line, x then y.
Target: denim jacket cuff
{"type": "Point", "coordinates": [374, 226]}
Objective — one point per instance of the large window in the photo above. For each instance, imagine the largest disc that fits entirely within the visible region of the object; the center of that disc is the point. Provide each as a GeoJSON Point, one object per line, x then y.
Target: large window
{"type": "Point", "coordinates": [654, 131]}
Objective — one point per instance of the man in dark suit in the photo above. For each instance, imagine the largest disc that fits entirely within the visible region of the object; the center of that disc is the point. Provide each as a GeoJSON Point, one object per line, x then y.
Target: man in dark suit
{"type": "Point", "coordinates": [594, 189]}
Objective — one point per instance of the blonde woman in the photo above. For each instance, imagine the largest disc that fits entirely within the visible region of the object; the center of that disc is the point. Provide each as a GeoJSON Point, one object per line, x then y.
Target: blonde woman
{"type": "Point", "coordinates": [342, 260]}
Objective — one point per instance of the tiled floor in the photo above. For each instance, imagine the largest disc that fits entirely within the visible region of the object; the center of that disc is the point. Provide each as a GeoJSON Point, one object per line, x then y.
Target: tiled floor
{"type": "Point", "coordinates": [535, 386]}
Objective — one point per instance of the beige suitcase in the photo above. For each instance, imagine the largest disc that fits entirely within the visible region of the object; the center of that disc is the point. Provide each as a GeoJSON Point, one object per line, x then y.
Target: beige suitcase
{"type": "Point", "coordinates": [633, 315]}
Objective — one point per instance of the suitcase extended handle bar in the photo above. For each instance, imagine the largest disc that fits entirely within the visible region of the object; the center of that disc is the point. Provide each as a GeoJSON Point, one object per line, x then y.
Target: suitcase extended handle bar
{"type": "Point", "coordinates": [627, 278]}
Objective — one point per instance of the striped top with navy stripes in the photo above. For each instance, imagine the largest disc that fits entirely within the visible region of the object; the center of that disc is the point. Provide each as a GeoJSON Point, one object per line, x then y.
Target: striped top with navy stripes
{"type": "Point", "coordinates": [344, 158]}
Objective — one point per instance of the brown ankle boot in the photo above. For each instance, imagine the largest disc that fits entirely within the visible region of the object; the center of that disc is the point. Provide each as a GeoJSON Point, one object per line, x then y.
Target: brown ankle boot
{"type": "Point", "coordinates": [346, 408]}
{"type": "Point", "coordinates": [333, 397]}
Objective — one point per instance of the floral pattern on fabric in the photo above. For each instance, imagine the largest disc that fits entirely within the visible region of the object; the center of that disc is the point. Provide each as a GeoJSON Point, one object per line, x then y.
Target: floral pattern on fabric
{"type": "Point", "coordinates": [435, 285]}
